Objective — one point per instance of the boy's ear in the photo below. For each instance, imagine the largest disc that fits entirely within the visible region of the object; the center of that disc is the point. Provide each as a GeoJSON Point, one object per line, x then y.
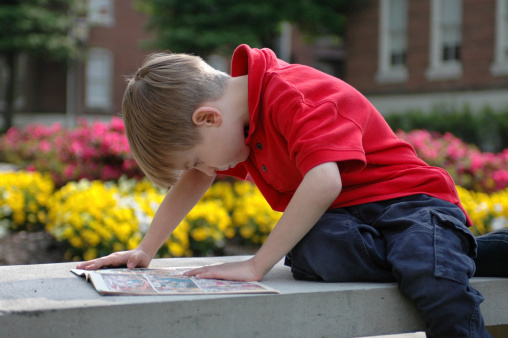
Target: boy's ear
{"type": "Point", "coordinates": [207, 116]}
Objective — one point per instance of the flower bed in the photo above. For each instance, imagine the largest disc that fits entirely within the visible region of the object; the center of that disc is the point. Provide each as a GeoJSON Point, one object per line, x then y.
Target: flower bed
{"type": "Point", "coordinates": [100, 151]}
{"type": "Point", "coordinates": [97, 218]}
{"type": "Point", "coordinates": [93, 151]}
{"type": "Point", "coordinates": [469, 167]}
{"type": "Point", "coordinates": [488, 212]}
{"type": "Point", "coordinates": [24, 199]}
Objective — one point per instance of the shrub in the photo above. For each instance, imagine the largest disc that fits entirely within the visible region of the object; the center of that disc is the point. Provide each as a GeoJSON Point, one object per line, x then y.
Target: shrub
{"type": "Point", "coordinates": [488, 212]}
{"type": "Point", "coordinates": [485, 128]}
{"type": "Point", "coordinates": [97, 218]}
{"type": "Point", "coordinates": [92, 151]}
{"type": "Point", "coordinates": [91, 217]}
{"type": "Point", "coordinates": [24, 200]}
{"type": "Point", "coordinates": [252, 217]}
{"type": "Point", "coordinates": [470, 168]}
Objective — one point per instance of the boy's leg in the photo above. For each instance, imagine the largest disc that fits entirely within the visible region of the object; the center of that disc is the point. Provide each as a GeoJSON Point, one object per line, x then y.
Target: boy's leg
{"type": "Point", "coordinates": [340, 249]}
{"type": "Point", "coordinates": [429, 247]}
{"type": "Point", "coordinates": [423, 242]}
{"type": "Point", "coordinates": [492, 257]}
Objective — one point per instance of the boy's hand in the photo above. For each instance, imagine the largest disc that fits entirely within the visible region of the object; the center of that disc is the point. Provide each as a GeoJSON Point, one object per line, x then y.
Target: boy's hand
{"type": "Point", "coordinates": [131, 259]}
{"type": "Point", "coordinates": [244, 271]}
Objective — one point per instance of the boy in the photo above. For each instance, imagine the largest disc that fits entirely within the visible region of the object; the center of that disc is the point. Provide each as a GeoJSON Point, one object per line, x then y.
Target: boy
{"type": "Point", "coordinates": [358, 204]}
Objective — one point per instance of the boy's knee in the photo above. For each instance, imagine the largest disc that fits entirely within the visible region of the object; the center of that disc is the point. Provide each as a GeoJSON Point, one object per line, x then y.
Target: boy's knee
{"type": "Point", "coordinates": [337, 250]}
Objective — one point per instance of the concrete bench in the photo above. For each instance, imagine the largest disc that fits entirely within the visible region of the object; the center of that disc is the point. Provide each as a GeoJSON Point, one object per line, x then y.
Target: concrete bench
{"type": "Point", "coordinates": [49, 301]}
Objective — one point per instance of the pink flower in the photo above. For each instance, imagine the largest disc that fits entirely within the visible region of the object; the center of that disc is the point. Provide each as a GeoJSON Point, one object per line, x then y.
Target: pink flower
{"type": "Point", "coordinates": [476, 162]}
{"type": "Point", "coordinates": [110, 172]}
{"type": "Point", "coordinates": [69, 171]}
{"type": "Point", "coordinates": [117, 124]}
{"type": "Point", "coordinates": [45, 146]}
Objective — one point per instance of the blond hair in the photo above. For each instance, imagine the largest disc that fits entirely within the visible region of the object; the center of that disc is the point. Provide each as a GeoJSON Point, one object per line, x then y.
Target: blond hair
{"type": "Point", "coordinates": [157, 109]}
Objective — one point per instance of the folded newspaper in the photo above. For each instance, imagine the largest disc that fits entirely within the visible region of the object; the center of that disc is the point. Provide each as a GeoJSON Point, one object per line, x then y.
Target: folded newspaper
{"type": "Point", "coordinates": [163, 281]}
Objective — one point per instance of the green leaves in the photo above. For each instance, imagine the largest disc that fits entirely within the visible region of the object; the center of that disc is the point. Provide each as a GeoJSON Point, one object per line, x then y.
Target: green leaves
{"type": "Point", "coordinates": [203, 27]}
{"type": "Point", "coordinates": [36, 26]}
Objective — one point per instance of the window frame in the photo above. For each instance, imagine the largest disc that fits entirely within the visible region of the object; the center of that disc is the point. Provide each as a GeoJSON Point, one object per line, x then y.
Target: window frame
{"type": "Point", "coordinates": [499, 66]}
{"type": "Point", "coordinates": [387, 72]}
{"type": "Point", "coordinates": [97, 19]}
{"type": "Point", "coordinates": [440, 69]}
{"type": "Point", "coordinates": [105, 102]}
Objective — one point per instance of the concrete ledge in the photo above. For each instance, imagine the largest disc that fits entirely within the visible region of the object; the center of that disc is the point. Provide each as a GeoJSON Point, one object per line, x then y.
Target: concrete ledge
{"type": "Point", "coordinates": [49, 301]}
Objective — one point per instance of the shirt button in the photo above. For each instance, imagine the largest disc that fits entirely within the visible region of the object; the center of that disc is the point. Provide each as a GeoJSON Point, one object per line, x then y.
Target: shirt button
{"type": "Point", "coordinates": [259, 146]}
{"type": "Point", "coordinates": [264, 168]}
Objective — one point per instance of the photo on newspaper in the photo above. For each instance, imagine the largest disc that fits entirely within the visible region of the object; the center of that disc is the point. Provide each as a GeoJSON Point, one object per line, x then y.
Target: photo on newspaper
{"type": "Point", "coordinates": [163, 281]}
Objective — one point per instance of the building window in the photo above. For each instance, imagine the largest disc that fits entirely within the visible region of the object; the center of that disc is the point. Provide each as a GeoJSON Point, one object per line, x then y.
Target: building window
{"type": "Point", "coordinates": [99, 79]}
{"type": "Point", "coordinates": [101, 12]}
{"type": "Point", "coordinates": [500, 65]}
{"type": "Point", "coordinates": [21, 66]}
{"type": "Point", "coordinates": [392, 41]}
{"type": "Point", "coordinates": [445, 40]}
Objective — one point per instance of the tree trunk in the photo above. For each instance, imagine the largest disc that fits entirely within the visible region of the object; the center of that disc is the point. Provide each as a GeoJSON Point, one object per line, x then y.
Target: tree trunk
{"type": "Point", "coordinates": [8, 114]}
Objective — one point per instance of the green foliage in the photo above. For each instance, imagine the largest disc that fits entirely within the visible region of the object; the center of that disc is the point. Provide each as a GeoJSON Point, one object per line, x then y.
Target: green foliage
{"type": "Point", "coordinates": [320, 17]}
{"type": "Point", "coordinates": [203, 27]}
{"type": "Point", "coordinates": [36, 26]}
{"type": "Point", "coordinates": [486, 128]}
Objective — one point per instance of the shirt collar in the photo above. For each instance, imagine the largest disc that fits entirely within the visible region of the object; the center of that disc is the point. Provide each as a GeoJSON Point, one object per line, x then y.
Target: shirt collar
{"type": "Point", "coordinates": [254, 62]}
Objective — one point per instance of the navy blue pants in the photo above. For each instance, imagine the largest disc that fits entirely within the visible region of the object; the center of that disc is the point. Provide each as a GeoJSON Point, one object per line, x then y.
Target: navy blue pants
{"type": "Point", "coordinates": [418, 241]}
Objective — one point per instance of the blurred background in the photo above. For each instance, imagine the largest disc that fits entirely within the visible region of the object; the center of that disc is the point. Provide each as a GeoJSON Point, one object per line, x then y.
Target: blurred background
{"type": "Point", "coordinates": [437, 70]}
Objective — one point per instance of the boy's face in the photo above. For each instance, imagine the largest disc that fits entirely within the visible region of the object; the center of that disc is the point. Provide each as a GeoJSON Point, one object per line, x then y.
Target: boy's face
{"type": "Point", "coordinates": [222, 147]}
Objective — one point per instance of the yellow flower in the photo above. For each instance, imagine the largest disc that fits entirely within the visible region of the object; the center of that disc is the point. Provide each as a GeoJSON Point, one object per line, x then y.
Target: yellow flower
{"type": "Point", "coordinates": [176, 249]}
{"type": "Point", "coordinates": [247, 232]}
{"type": "Point", "coordinates": [90, 253]}
{"type": "Point", "coordinates": [76, 242]}
{"type": "Point", "coordinates": [200, 234]}
{"type": "Point", "coordinates": [133, 242]}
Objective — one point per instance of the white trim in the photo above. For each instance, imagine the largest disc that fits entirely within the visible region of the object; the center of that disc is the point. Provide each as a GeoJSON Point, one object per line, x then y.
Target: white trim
{"type": "Point", "coordinates": [99, 85]}
{"type": "Point", "coordinates": [500, 65]}
{"type": "Point", "coordinates": [386, 72]}
{"type": "Point", "coordinates": [439, 69]}
{"type": "Point", "coordinates": [101, 12]}
{"type": "Point", "coordinates": [426, 102]}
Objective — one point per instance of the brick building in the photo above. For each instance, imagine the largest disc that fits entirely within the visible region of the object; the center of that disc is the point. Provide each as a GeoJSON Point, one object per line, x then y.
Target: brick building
{"type": "Point", "coordinates": [113, 52]}
{"type": "Point", "coordinates": [92, 86]}
{"type": "Point", "coordinates": [401, 54]}
{"type": "Point", "coordinates": [416, 54]}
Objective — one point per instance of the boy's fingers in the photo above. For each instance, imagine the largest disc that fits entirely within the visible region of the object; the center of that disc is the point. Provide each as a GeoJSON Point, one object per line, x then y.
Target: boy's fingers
{"type": "Point", "coordinates": [195, 272]}
{"type": "Point", "coordinates": [133, 261]}
{"type": "Point", "coordinates": [116, 259]}
{"type": "Point", "coordinates": [100, 263]}
{"type": "Point", "coordinates": [83, 265]}
{"type": "Point", "coordinates": [96, 264]}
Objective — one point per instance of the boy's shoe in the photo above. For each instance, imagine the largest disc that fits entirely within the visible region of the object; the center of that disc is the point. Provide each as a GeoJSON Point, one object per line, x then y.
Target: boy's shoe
{"type": "Point", "coordinates": [492, 257]}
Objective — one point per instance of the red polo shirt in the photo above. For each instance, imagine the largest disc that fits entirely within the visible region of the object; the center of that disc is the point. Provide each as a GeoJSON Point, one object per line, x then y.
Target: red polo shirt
{"type": "Point", "coordinates": [300, 118]}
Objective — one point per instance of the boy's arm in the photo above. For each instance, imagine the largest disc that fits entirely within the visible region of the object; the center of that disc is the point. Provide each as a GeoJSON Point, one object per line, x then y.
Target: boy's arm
{"type": "Point", "coordinates": [319, 188]}
{"type": "Point", "coordinates": [180, 199]}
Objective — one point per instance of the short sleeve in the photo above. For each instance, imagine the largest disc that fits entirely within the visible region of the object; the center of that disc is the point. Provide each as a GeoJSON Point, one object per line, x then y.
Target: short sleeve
{"type": "Point", "coordinates": [320, 133]}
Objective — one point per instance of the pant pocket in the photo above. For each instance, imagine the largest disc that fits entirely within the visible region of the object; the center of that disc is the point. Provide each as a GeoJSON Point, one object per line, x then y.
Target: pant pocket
{"type": "Point", "coordinates": [454, 247]}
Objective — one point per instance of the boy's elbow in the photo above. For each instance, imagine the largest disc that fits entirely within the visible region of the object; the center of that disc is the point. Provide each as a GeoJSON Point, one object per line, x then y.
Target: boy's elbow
{"type": "Point", "coordinates": [328, 180]}
{"type": "Point", "coordinates": [334, 187]}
